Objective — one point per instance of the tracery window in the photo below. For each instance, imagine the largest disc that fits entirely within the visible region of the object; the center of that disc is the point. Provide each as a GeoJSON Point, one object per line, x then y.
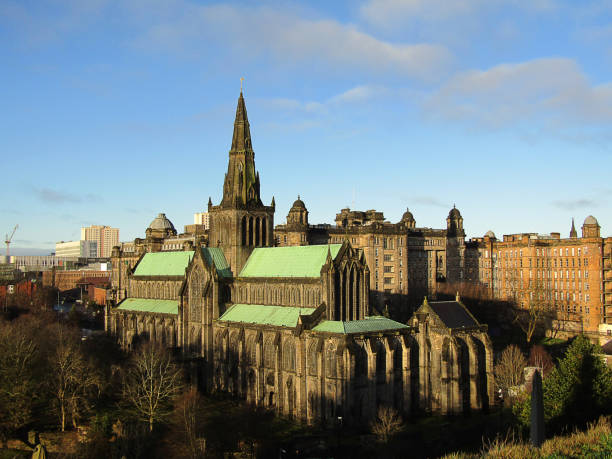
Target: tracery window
{"type": "Point", "coordinates": [330, 360]}
{"type": "Point", "coordinates": [251, 351]}
{"type": "Point", "coordinates": [312, 359]}
{"type": "Point", "coordinates": [269, 354]}
{"type": "Point", "coordinates": [289, 355]}
{"type": "Point", "coordinates": [196, 300]}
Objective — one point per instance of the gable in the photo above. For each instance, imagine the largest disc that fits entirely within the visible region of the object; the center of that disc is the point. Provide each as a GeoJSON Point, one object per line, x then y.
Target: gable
{"type": "Point", "coordinates": [214, 256]}
{"type": "Point", "coordinates": [453, 314]}
{"type": "Point", "coordinates": [301, 261]}
{"type": "Point", "coordinates": [164, 264]}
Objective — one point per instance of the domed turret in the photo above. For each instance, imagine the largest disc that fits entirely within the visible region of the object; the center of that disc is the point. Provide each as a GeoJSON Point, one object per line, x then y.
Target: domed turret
{"type": "Point", "coordinates": [159, 229]}
{"type": "Point", "coordinates": [161, 222]}
{"type": "Point", "coordinates": [408, 219]}
{"type": "Point", "coordinates": [298, 204]}
{"type": "Point", "coordinates": [298, 214]}
{"type": "Point", "coordinates": [454, 213]}
{"type": "Point", "coordinates": [490, 234]}
{"type": "Point", "coordinates": [590, 228]}
{"type": "Point", "coordinates": [454, 223]}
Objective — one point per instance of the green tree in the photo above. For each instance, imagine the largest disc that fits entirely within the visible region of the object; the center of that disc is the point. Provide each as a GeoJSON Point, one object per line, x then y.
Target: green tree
{"type": "Point", "coordinates": [577, 391]}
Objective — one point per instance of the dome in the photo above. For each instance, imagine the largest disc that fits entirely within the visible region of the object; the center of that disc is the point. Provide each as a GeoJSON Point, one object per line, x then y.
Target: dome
{"type": "Point", "coordinates": [298, 204]}
{"type": "Point", "coordinates": [490, 234]}
{"type": "Point", "coordinates": [590, 220]}
{"type": "Point", "coordinates": [161, 222]}
{"type": "Point", "coordinates": [407, 216]}
{"type": "Point", "coordinates": [454, 213]}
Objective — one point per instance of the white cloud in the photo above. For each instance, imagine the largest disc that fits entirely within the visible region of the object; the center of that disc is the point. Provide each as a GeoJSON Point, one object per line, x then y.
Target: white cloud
{"type": "Point", "coordinates": [393, 13]}
{"type": "Point", "coordinates": [286, 37]}
{"type": "Point", "coordinates": [548, 93]}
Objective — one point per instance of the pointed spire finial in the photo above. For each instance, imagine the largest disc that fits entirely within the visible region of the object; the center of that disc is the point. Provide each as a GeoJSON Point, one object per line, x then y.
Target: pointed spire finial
{"type": "Point", "coordinates": [298, 196]}
{"type": "Point", "coordinates": [573, 232]}
{"type": "Point", "coordinates": [241, 81]}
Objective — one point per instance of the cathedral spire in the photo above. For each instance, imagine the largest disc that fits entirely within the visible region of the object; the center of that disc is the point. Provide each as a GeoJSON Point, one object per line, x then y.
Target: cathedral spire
{"type": "Point", "coordinates": [241, 187]}
{"type": "Point", "coordinates": [241, 140]}
{"type": "Point", "coordinates": [573, 232]}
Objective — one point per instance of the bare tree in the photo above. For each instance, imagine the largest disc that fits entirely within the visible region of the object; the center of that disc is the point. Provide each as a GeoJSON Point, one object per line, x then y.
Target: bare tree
{"type": "Point", "coordinates": [74, 380]}
{"type": "Point", "coordinates": [386, 424]}
{"type": "Point", "coordinates": [509, 368]}
{"type": "Point", "coordinates": [18, 382]}
{"type": "Point", "coordinates": [150, 383]}
{"type": "Point", "coordinates": [188, 419]}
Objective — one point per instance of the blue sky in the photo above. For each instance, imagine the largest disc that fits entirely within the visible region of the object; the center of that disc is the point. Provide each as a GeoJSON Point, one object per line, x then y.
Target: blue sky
{"type": "Point", "coordinates": [113, 111]}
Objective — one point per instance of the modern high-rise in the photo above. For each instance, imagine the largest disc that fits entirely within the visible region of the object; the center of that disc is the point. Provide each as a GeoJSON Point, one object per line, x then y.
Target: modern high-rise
{"type": "Point", "coordinates": [80, 249]}
{"type": "Point", "coordinates": [105, 236]}
{"type": "Point", "coordinates": [202, 218]}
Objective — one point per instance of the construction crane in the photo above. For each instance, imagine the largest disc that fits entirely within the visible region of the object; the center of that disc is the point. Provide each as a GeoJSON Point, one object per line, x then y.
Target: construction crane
{"type": "Point", "coordinates": [8, 240]}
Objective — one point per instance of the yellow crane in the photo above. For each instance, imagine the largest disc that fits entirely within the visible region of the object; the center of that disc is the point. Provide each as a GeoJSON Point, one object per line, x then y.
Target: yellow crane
{"type": "Point", "coordinates": [7, 240]}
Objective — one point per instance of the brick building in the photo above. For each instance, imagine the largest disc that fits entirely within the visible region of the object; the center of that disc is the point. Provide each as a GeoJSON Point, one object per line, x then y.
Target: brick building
{"type": "Point", "coordinates": [563, 275]}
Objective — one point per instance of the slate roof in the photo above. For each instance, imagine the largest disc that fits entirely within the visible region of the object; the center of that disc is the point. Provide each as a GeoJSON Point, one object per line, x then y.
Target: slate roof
{"type": "Point", "coordinates": [214, 255]}
{"type": "Point", "coordinates": [367, 325]}
{"type": "Point", "coordinates": [280, 316]}
{"type": "Point", "coordinates": [149, 305]}
{"type": "Point", "coordinates": [453, 314]}
{"type": "Point", "coordinates": [301, 261]}
{"type": "Point", "coordinates": [164, 264]}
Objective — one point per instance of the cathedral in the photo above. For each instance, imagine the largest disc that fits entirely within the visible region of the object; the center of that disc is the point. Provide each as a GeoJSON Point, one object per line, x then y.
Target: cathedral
{"type": "Point", "coordinates": [290, 328]}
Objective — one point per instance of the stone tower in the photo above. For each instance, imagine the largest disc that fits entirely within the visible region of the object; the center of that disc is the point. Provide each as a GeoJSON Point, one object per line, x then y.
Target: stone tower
{"type": "Point", "coordinates": [241, 222]}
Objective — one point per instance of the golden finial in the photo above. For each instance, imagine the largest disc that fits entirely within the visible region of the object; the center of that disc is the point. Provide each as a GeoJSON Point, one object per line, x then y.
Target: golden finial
{"type": "Point", "coordinates": [241, 81]}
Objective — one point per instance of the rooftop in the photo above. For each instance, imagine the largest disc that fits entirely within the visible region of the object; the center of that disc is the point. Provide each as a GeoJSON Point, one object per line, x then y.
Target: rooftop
{"type": "Point", "coordinates": [304, 261]}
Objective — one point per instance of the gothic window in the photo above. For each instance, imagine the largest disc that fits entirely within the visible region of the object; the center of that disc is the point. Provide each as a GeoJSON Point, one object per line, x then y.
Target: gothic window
{"type": "Point", "coordinates": [251, 351]}
{"type": "Point", "coordinates": [289, 355]}
{"type": "Point", "coordinates": [269, 354]}
{"type": "Point", "coordinates": [196, 300]}
{"type": "Point", "coordinates": [381, 363]}
{"type": "Point", "coordinates": [219, 355]}
{"type": "Point", "coordinates": [330, 360]}
{"type": "Point", "coordinates": [233, 350]}
{"type": "Point", "coordinates": [312, 359]}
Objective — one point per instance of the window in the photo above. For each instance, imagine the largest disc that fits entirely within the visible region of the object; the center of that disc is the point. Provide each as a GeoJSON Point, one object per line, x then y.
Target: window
{"type": "Point", "coordinates": [388, 280]}
{"type": "Point", "coordinates": [388, 258]}
{"type": "Point", "coordinates": [388, 269]}
{"type": "Point", "coordinates": [376, 251]}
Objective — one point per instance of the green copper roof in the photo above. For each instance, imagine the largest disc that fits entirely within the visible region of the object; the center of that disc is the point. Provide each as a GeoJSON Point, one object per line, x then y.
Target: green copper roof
{"type": "Point", "coordinates": [368, 325]}
{"type": "Point", "coordinates": [280, 316]}
{"type": "Point", "coordinates": [164, 264]}
{"type": "Point", "coordinates": [149, 305]}
{"type": "Point", "coordinates": [304, 261]}
{"type": "Point", "coordinates": [214, 255]}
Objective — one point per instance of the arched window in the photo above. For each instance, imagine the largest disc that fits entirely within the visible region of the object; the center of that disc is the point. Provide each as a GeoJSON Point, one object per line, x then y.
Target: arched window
{"type": "Point", "coordinates": [243, 228]}
{"type": "Point", "coordinates": [264, 232]}
{"type": "Point", "coordinates": [381, 363]}
{"type": "Point", "coordinates": [330, 360]}
{"type": "Point", "coordinates": [196, 300]}
{"type": "Point", "coordinates": [269, 354]}
{"type": "Point", "coordinates": [233, 351]}
{"type": "Point", "coordinates": [251, 351]}
{"type": "Point", "coordinates": [289, 355]}
{"type": "Point", "coordinates": [312, 359]}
